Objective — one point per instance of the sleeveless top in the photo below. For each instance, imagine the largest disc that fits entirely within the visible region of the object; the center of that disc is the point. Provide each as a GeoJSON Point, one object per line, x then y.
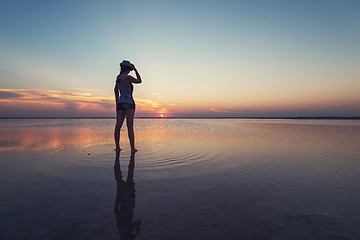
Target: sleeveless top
{"type": "Point", "coordinates": [126, 89]}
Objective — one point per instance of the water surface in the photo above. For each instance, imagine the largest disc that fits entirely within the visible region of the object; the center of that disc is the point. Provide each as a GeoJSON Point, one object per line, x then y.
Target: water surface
{"type": "Point", "coordinates": [191, 179]}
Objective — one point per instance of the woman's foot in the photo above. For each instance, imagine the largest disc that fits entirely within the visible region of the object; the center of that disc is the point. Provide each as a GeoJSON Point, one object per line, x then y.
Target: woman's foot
{"type": "Point", "coordinates": [117, 149]}
{"type": "Point", "coordinates": [134, 150]}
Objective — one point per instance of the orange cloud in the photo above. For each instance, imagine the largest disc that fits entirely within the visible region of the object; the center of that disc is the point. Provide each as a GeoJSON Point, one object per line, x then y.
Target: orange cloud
{"type": "Point", "coordinates": [40, 103]}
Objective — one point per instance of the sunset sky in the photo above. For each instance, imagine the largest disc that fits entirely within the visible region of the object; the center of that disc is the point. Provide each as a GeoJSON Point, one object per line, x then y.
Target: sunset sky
{"type": "Point", "coordinates": [196, 58]}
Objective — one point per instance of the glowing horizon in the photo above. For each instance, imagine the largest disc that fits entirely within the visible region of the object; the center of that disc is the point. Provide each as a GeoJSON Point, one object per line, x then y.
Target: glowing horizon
{"type": "Point", "coordinates": [50, 103]}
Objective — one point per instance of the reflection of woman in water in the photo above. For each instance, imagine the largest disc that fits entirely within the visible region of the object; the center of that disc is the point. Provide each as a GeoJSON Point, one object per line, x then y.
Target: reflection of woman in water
{"type": "Point", "coordinates": [125, 104]}
{"type": "Point", "coordinates": [125, 201]}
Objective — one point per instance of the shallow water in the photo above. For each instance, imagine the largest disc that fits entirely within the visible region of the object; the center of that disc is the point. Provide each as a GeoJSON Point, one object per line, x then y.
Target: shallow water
{"type": "Point", "coordinates": [192, 179]}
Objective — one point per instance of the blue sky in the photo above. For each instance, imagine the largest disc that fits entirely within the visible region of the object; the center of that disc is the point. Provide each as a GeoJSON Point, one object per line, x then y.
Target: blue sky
{"type": "Point", "coordinates": [195, 57]}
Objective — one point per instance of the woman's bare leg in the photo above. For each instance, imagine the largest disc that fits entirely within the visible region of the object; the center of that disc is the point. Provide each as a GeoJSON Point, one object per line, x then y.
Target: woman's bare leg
{"type": "Point", "coordinates": [120, 116]}
{"type": "Point", "coordinates": [130, 126]}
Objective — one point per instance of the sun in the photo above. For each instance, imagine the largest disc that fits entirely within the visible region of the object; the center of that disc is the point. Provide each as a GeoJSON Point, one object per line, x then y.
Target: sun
{"type": "Point", "coordinates": [161, 115]}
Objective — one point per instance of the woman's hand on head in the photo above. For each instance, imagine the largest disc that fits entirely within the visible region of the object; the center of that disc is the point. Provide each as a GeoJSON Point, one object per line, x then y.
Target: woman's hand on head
{"type": "Point", "coordinates": [132, 79]}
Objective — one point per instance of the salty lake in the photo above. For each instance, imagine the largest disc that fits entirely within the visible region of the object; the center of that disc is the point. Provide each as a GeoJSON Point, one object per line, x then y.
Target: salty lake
{"type": "Point", "coordinates": [191, 179]}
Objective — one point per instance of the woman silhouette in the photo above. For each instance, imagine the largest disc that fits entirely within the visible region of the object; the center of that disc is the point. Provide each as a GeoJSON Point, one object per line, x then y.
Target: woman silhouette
{"type": "Point", "coordinates": [125, 104]}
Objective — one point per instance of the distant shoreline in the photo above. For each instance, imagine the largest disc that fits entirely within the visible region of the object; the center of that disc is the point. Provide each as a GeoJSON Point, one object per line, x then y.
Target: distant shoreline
{"type": "Point", "coordinates": [299, 118]}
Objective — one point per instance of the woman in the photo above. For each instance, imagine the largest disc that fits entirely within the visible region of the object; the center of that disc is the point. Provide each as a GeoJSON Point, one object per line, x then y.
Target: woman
{"type": "Point", "coordinates": [125, 104]}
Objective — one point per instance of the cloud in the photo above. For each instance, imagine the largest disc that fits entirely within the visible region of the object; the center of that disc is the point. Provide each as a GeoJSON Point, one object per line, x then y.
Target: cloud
{"type": "Point", "coordinates": [41, 102]}
{"type": "Point", "coordinates": [8, 95]}
{"type": "Point", "coordinates": [222, 110]}
{"type": "Point", "coordinates": [148, 105]}
{"type": "Point", "coordinates": [236, 111]}
{"type": "Point", "coordinates": [71, 106]}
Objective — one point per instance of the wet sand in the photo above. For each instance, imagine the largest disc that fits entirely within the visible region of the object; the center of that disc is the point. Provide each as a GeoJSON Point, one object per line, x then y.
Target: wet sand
{"type": "Point", "coordinates": [191, 179]}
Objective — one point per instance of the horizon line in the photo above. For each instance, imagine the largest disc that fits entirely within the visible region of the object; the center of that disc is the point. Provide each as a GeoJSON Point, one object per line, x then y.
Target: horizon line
{"type": "Point", "coordinates": [192, 117]}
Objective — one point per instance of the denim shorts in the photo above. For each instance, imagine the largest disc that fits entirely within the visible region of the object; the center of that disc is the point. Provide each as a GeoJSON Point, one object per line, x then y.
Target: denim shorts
{"type": "Point", "coordinates": [125, 106]}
